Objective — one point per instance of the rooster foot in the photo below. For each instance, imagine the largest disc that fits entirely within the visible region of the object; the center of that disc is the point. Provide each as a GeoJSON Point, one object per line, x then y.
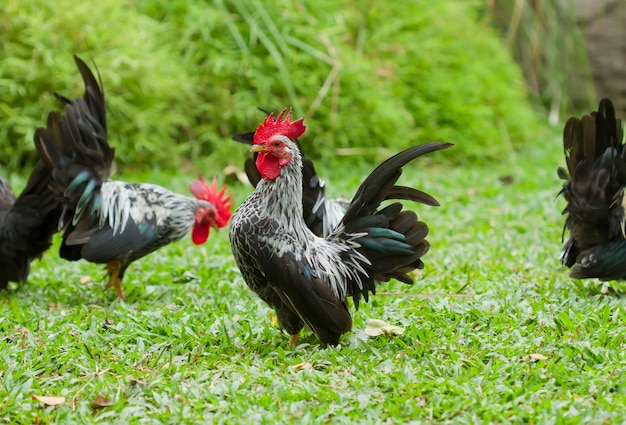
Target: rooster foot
{"type": "Point", "coordinates": [113, 270]}
{"type": "Point", "coordinates": [294, 340]}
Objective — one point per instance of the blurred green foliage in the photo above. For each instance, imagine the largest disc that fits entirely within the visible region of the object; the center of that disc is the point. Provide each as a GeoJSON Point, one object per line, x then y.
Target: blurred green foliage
{"type": "Point", "coordinates": [180, 77]}
{"type": "Point", "coordinates": [546, 41]}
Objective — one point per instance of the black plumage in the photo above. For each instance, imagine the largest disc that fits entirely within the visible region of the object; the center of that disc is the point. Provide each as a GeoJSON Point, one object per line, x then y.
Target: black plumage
{"type": "Point", "coordinates": [594, 190]}
{"type": "Point", "coordinates": [308, 279]}
{"type": "Point", "coordinates": [27, 224]}
{"type": "Point", "coordinates": [321, 215]}
{"type": "Point", "coordinates": [107, 221]}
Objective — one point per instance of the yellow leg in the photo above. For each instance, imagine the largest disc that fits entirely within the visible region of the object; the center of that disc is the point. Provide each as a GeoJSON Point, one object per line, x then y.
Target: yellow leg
{"type": "Point", "coordinates": [113, 270]}
{"type": "Point", "coordinates": [294, 340]}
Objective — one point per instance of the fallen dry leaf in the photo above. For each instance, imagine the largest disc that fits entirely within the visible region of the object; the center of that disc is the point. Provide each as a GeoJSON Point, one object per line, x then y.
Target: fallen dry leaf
{"type": "Point", "coordinates": [107, 323]}
{"type": "Point", "coordinates": [233, 170]}
{"type": "Point", "coordinates": [85, 279]}
{"type": "Point", "coordinates": [537, 356]}
{"type": "Point", "coordinates": [137, 383]}
{"type": "Point", "coordinates": [417, 273]}
{"type": "Point", "coordinates": [48, 400]}
{"type": "Point", "coordinates": [100, 402]}
{"type": "Point", "coordinates": [273, 319]}
{"type": "Point", "coordinates": [506, 179]}
{"type": "Point", "coordinates": [400, 355]}
{"type": "Point", "coordinates": [302, 366]}
{"type": "Point", "coordinates": [24, 333]}
{"type": "Point", "coordinates": [377, 327]}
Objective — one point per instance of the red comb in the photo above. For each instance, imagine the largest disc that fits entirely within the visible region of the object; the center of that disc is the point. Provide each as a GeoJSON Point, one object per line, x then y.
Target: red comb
{"type": "Point", "coordinates": [270, 128]}
{"type": "Point", "coordinates": [201, 190]}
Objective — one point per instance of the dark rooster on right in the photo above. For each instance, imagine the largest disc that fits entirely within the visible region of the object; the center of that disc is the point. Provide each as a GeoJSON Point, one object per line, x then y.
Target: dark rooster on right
{"type": "Point", "coordinates": [594, 190]}
{"type": "Point", "coordinates": [308, 279]}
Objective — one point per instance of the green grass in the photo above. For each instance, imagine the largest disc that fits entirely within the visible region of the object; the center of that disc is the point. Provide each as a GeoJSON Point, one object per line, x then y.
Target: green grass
{"type": "Point", "coordinates": [191, 344]}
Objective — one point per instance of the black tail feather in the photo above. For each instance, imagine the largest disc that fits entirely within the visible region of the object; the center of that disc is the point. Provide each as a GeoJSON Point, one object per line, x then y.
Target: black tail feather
{"type": "Point", "coordinates": [27, 225]}
{"type": "Point", "coordinates": [593, 188]}
{"type": "Point", "coordinates": [74, 145]}
{"type": "Point", "coordinates": [604, 262]}
{"type": "Point", "coordinates": [382, 180]}
{"type": "Point", "coordinates": [411, 194]}
{"type": "Point", "coordinates": [404, 243]}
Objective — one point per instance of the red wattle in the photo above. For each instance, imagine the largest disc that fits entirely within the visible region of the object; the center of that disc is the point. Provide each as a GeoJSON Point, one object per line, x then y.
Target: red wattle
{"type": "Point", "coordinates": [200, 234]}
{"type": "Point", "coordinates": [268, 165]}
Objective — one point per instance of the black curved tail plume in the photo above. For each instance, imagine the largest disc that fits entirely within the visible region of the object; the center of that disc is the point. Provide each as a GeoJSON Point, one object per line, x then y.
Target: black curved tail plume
{"type": "Point", "coordinates": [394, 240]}
{"type": "Point", "coordinates": [594, 191]}
{"type": "Point", "coordinates": [75, 146]}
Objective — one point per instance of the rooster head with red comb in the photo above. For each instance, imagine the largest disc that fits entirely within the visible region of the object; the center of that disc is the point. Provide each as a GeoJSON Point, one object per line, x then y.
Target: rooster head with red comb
{"type": "Point", "coordinates": [269, 142]}
{"type": "Point", "coordinates": [214, 213]}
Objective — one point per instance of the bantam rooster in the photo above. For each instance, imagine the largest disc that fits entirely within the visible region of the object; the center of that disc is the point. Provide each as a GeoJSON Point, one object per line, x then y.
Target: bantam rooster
{"type": "Point", "coordinates": [26, 224]}
{"type": "Point", "coordinates": [114, 222]}
{"type": "Point", "coordinates": [308, 279]}
{"type": "Point", "coordinates": [594, 191]}
{"type": "Point", "coordinates": [321, 215]}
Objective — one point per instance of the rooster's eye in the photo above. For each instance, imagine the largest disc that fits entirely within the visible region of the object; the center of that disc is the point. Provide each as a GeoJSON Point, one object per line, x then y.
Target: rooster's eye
{"type": "Point", "coordinates": [276, 143]}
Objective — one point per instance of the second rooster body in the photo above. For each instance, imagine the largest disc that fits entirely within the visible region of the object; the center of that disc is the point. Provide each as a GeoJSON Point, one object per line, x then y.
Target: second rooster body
{"type": "Point", "coordinates": [114, 222]}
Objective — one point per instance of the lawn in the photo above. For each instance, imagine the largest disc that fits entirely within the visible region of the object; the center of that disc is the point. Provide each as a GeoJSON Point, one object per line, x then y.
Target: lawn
{"type": "Point", "coordinates": [495, 330]}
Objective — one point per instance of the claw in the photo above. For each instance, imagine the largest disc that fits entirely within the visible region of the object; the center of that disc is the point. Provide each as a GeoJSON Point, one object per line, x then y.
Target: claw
{"type": "Point", "coordinates": [113, 270]}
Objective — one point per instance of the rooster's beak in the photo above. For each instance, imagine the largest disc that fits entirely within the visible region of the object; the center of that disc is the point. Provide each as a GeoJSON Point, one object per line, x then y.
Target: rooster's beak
{"type": "Point", "coordinates": [257, 148]}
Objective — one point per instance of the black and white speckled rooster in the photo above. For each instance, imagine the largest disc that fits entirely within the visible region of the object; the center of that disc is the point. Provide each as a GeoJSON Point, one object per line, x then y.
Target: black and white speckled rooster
{"type": "Point", "coordinates": [321, 215]}
{"type": "Point", "coordinates": [594, 190]}
{"type": "Point", "coordinates": [308, 279]}
{"type": "Point", "coordinates": [27, 224]}
{"type": "Point", "coordinates": [113, 222]}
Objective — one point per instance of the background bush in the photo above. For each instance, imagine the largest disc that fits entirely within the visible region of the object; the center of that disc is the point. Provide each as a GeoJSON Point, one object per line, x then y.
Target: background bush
{"type": "Point", "coordinates": [182, 76]}
{"type": "Point", "coordinates": [546, 41]}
